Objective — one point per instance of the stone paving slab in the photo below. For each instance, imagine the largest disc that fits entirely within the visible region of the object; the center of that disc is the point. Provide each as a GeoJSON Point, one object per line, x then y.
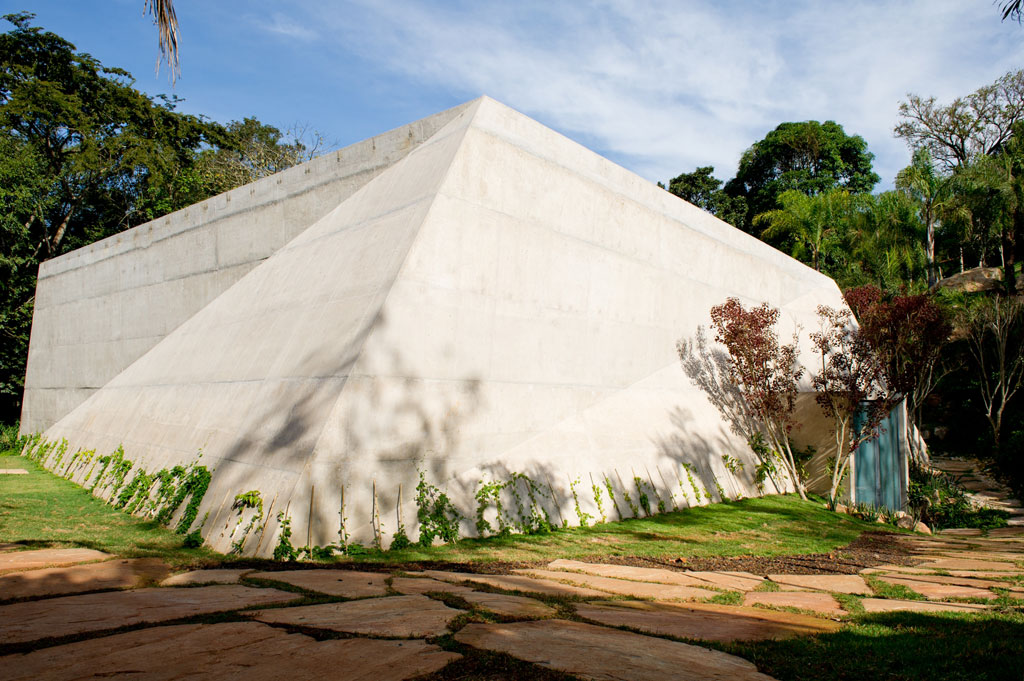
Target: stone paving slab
{"type": "Point", "coordinates": [706, 621]}
{"type": "Point", "coordinates": [894, 605]}
{"type": "Point", "coordinates": [40, 558]}
{"type": "Point", "coordinates": [412, 616]}
{"type": "Point", "coordinates": [53, 617]}
{"type": "Point", "coordinates": [733, 581]}
{"type": "Point", "coordinates": [346, 583]}
{"type": "Point", "coordinates": [983, 574]}
{"type": "Point", "coordinates": [509, 606]}
{"type": "Point", "coordinates": [636, 574]}
{"type": "Point", "coordinates": [13, 471]}
{"type": "Point", "coordinates": [59, 581]}
{"type": "Point", "coordinates": [844, 584]}
{"type": "Point", "coordinates": [518, 583]}
{"type": "Point", "coordinates": [995, 556]}
{"type": "Point", "coordinates": [593, 652]}
{"type": "Point", "coordinates": [9, 546]}
{"type": "Point", "coordinates": [810, 600]}
{"type": "Point", "coordinates": [233, 651]}
{"type": "Point", "coordinates": [218, 576]}
{"type": "Point", "coordinates": [883, 569]}
{"type": "Point", "coordinates": [938, 592]}
{"type": "Point", "coordinates": [959, 581]}
{"type": "Point", "coordinates": [422, 585]}
{"type": "Point", "coordinates": [623, 587]}
{"type": "Point", "coordinates": [968, 564]}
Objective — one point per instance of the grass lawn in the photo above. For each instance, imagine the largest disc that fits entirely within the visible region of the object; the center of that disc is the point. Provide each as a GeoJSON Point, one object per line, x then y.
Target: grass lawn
{"type": "Point", "coordinates": [42, 510]}
{"type": "Point", "coordinates": [762, 526]}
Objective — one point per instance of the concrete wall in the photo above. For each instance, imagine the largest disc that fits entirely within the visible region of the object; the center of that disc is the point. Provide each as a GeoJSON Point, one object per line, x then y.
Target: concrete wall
{"type": "Point", "coordinates": [501, 300]}
{"type": "Point", "coordinates": [101, 307]}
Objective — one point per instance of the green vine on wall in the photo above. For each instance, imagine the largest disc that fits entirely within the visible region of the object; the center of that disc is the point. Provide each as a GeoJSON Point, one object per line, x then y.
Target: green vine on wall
{"type": "Point", "coordinates": [436, 514]}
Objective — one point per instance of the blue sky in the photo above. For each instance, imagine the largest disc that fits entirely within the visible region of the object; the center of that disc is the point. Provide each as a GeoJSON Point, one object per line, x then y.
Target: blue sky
{"type": "Point", "coordinates": [659, 87]}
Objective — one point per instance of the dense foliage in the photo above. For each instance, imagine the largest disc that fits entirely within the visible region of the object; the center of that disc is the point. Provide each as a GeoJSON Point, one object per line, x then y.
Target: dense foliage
{"type": "Point", "coordinates": [84, 155]}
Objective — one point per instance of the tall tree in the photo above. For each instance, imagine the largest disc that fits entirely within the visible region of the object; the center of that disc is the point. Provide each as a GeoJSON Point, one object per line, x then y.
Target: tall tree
{"type": "Point", "coordinates": [807, 225]}
{"type": "Point", "coordinates": [704, 190]}
{"type": "Point", "coordinates": [809, 157]}
{"type": "Point", "coordinates": [925, 184]}
{"type": "Point", "coordinates": [966, 128]}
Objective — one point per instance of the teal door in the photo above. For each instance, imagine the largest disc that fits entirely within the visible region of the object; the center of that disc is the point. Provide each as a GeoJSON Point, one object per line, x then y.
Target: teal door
{"type": "Point", "coordinates": [878, 465]}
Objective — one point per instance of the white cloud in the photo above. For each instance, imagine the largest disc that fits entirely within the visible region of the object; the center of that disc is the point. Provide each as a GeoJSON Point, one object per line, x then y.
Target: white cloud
{"type": "Point", "coordinates": [665, 87]}
{"type": "Point", "coordinates": [286, 27]}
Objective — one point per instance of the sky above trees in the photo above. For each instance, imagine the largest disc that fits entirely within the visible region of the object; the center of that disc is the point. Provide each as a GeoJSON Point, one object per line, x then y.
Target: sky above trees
{"type": "Point", "coordinates": [660, 88]}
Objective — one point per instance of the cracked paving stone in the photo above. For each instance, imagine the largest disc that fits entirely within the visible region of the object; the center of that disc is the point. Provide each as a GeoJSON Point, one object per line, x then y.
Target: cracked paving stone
{"type": "Point", "coordinates": [345, 583]}
{"type": "Point", "coordinates": [933, 591]}
{"type": "Point", "coordinates": [636, 574]}
{"type": "Point", "coordinates": [395, 616]}
{"type": "Point", "coordinates": [53, 617]}
{"type": "Point", "coordinates": [844, 584]}
{"type": "Point", "coordinates": [217, 576]}
{"type": "Point", "coordinates": [40, 558]}
{"type": "Point", "coordinates": [809, 600]}
{"type": "Point", "coordinates": [733, 581]}
{"type": "Point", "coordinates": [234, 651]}
{"type": "Point", "coordinates": [622, 587]}
{"type": "Point", "coordinates": [421, 585]}
{"type": "Point", "coordinates": [892, 605]}
{"type": "Point", "coordinates": [58, 581]}
{"type": "Point", "coordinates": [707, 621]}
{"type": "Point", "coordinates": [518, 583]}
{"type": "Point", "coordinates": [601, 654]}
{"type": "Point", "coordinates": [509, 606]}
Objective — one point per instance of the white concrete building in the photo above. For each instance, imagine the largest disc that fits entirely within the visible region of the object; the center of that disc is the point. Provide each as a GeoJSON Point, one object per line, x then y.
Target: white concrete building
{"type": "Point", "coordinates": [471, 296]}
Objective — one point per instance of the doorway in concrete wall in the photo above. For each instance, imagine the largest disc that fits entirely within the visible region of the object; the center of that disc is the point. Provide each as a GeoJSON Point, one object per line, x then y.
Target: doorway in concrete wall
{"type": "Point", "coordinates": [880, 465]}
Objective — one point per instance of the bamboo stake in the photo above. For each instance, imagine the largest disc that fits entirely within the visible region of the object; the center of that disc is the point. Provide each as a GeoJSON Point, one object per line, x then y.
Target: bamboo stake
{"type": "Point", "coordinates": [309, 518]}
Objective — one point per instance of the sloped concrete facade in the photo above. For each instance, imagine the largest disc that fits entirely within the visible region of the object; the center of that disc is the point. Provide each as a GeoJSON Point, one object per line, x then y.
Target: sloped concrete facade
{"type": "Point", "coordinates": [498, 300]}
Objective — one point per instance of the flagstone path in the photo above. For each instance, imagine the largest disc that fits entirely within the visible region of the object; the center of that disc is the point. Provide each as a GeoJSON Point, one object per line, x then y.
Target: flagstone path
{"type": "Point", "coordinates": [86, 614]}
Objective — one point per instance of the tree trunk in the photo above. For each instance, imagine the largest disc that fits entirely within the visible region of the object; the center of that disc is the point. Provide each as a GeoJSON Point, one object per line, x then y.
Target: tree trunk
{"type": "Point", "coordinates": [932, 278]}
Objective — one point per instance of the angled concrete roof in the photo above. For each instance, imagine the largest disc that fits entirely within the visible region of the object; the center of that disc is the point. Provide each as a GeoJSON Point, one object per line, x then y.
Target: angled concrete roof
{"type": "Point", "coordinates": [494, 299]}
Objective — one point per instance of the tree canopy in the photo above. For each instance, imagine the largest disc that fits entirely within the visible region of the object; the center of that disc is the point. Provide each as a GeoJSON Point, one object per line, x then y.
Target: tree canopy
{"type": "Point", "coordinates": [809, 157]}
{"type": "Point", "coordinates": [84, 155]}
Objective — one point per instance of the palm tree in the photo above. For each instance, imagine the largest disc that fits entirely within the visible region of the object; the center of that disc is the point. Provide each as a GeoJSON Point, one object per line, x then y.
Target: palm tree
{"type": "Point", "coordinates": [921, 181]}
{"type": "Point", "coordinates": [167, 32]}
{"type": "Point", "coordinates": [808, 223]}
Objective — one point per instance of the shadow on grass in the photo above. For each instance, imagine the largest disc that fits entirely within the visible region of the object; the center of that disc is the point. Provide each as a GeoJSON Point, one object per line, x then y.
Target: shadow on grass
{"type": "Point", "coordinates": [900, 646]}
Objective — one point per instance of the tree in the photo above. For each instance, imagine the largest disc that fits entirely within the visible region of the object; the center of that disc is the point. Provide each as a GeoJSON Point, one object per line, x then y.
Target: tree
{"type": "Point", "coordinates": [994, 331]}
{"type": "Point", "coordinates": [808, 157]}
{"type": "Point", "coordinates": [882, 243]}
{"type": "Point", "coordinates": [765, 373]}
{"type": "Point", "coordinates": [850, 386]}
{"type": "Point", "coordinates": [970, 126]}
{"type": "Point", "coordinates": [703, 190]}
{"type": "Point", "coordinates": [84, 155]}
{"type": "Point", "coordinates": [807, 224]}
{"type": "Point", "coordinates": [907, 334]}
{"type": "Point", "coordinates": [977, 210]}
{"type": "Point", "coordinates": [921, 181]}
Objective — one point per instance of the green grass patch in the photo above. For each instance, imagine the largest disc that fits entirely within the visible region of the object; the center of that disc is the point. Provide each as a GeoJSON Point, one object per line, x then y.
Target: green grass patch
{"type": "Point", "coordinates": [42, 510]}
{"type": "Point", "coordinates": [900, 647]}
{"type": "Point", "coordinates": [768, 526]}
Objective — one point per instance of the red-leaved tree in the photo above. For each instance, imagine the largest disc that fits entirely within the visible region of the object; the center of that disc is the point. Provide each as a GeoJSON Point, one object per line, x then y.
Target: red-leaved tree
{"type": "Point", "coordinates": [908, 333]}
{"type": "Point", "coordinates": [850, 386]}
{"type": "Point", "coordinates": [765, 372]}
